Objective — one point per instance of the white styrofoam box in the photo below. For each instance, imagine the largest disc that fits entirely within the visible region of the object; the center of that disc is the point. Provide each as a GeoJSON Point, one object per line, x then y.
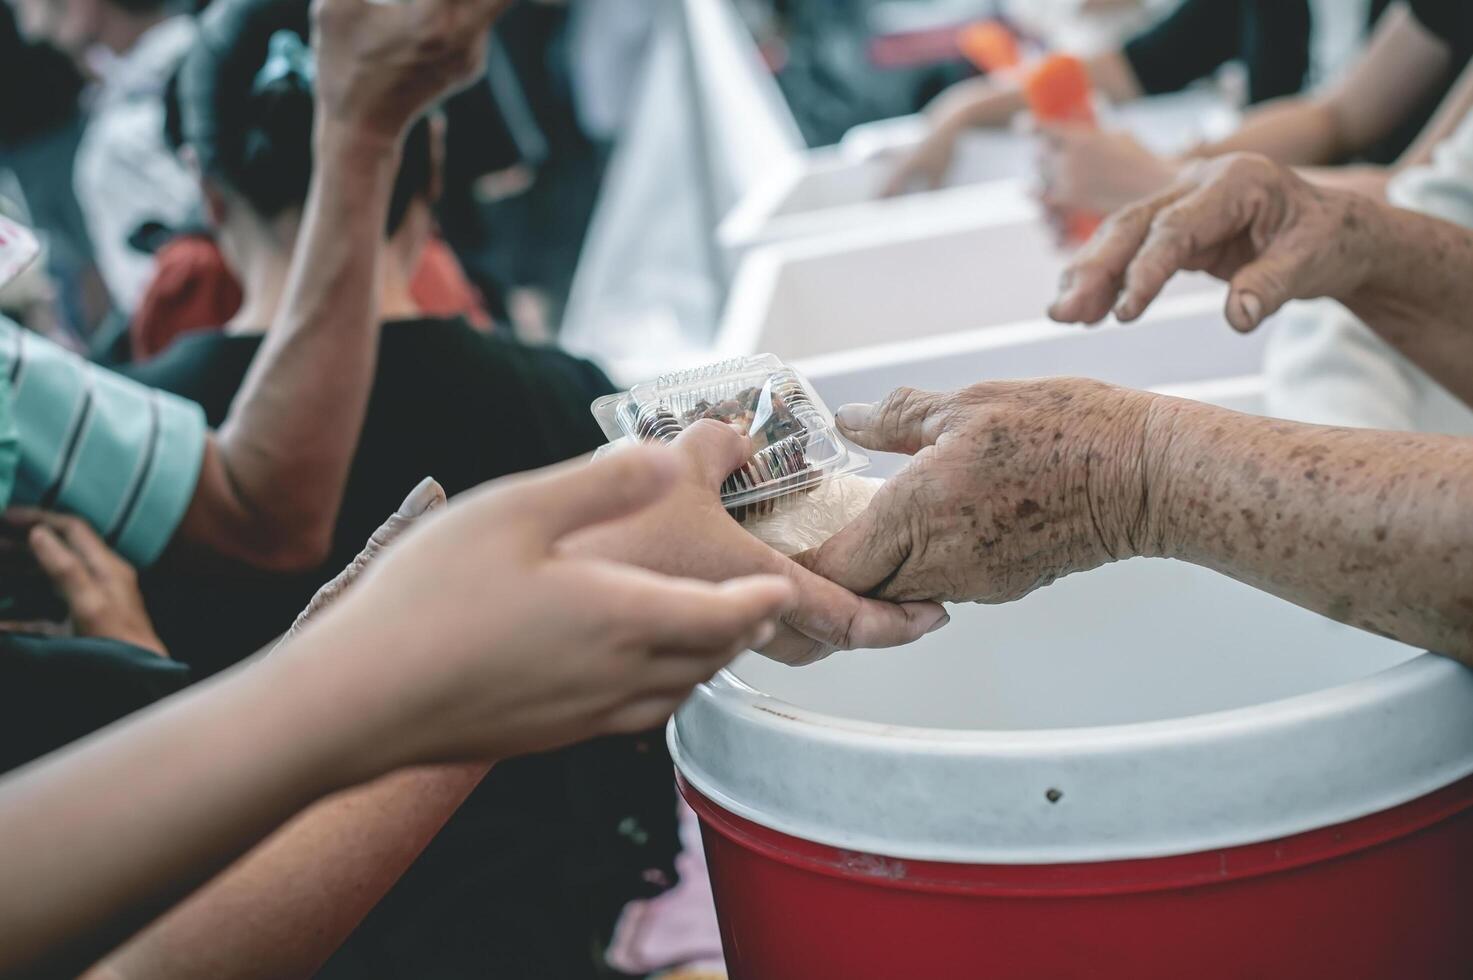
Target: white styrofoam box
{"type": "Point", "coordinates": [837, 188]}
{"type": "Point", "coordinates": [899, 284]}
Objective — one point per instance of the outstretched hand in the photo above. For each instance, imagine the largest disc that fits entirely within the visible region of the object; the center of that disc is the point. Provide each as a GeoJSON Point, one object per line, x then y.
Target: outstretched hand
{"type": "Point", "coordinates": [690, 533]}
{"type": "Point", "coordinates": [1244, 219]}
{"type": "Point", "coordinates": [480, 637]}
{"type": "Point", "coordinates": [1013, 485]}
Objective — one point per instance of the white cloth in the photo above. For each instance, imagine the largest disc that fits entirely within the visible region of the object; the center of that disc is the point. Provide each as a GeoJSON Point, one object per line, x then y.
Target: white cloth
{"type": "Point", "coordinates": [1324, 365]}
{"type": "Point", "coordinates": [125, 173]}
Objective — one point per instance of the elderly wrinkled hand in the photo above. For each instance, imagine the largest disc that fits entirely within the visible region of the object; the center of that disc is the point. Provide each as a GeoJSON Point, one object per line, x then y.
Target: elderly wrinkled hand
{"type": "Point", "coordinates": [1244, 219]}
{"type": "Point", "coordinates": [1013, 485]}
{"type": "Point", "coordinates": [689, 533]}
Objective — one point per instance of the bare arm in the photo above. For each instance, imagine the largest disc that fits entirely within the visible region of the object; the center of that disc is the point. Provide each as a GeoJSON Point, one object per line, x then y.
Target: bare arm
{"type": "Point", "coordinates": [412, 667]}
{"type": "Point", "coordinates": [1374, 529]}
{"type": "Point", "coordinates": [993, 101]}
{"type": "Point", "coordinates": [1017, 484]}
{"type": "Point", "coordinates": [273, 476]}
{"type": "Point", "coordinates": [990, 101]}
{"type": "Point", "coordinates": [284, 908]}
{"type": "Point", "coordinates": [1398, 69]}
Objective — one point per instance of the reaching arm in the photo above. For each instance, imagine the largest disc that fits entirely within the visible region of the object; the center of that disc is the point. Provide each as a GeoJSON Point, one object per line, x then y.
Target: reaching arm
{"type": "Point", "coordinates": [1017, 484]}
{"type": "Point", "coordinates": [284, 908]}
{"type": "Point", "coordinates": [414, 666]}
{"type": "Point", "coordinates": [1402, 64]}
{"type": "Point", "coordinates": [1450, 115]}
{"type": "Point", "coordinates": [1374, 529]}
{"type": "Point", "coordinates": [273, 476]}
{"type": "Point", "coordinates": [987, 102]}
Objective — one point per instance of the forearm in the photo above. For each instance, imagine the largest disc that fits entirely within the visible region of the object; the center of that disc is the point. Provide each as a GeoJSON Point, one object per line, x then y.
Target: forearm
{"type": "Point", "coordinates": [1401, 64]}
{"type": "Point", "coordinates": [1368, 180]}
{"type": "Point", "coordinates": [100, 837]}
{"type": "Point", "coordinates": [285, 907]}
{"type": "Point", "coordinates": [1450, 115]}
{"type": "Point", "coordinates": [1419, 291]}
{"type": "Point", "coordinates": [977, 103]}
{"type": "Point", "coordinates": [1295, 131]}
{"type": "Point", "coordinates": [1370, 528]}
{"type": "Point", "coordinates": [274, 478]}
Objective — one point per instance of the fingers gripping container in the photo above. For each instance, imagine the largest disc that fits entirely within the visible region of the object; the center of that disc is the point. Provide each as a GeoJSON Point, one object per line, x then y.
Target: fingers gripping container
{"type": "Point", "coordinates": [797, 444]}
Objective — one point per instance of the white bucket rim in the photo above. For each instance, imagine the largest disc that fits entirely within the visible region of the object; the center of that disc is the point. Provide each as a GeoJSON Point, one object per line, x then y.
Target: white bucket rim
{"type": "Point", "coordinates": [835, 781]}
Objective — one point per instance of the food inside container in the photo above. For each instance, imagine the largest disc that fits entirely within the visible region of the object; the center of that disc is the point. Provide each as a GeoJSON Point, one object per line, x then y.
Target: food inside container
{"type": "Point", "coordinates": [797, 445]}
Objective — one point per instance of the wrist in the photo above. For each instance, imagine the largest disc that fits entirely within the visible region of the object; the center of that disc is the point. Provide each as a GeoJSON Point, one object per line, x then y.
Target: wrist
{"type": "Point", "coordinates": [349, 731]}
{"type": "Point", "coordinates": [1371, 235]}
{"type": "Point", "coordinates": [1128, 429]}
{"type": "Point", "coordinates": [365, 145]}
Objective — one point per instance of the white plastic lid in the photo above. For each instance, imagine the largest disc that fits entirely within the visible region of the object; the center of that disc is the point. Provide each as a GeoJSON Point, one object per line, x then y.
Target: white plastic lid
{"type": "Point", "coordinates": [1121, 792]}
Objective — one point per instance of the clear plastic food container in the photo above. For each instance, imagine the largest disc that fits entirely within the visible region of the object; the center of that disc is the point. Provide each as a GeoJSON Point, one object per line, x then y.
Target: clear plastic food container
{"type": "Point", "coordinates": [797, 444]}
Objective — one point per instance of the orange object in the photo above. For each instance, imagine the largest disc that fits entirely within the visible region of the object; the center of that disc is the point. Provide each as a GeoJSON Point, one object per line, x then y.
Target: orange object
{"type": "Point", "coordinates": [990, 46]}
{"type": "Point", "coordinates": [1058, 90]}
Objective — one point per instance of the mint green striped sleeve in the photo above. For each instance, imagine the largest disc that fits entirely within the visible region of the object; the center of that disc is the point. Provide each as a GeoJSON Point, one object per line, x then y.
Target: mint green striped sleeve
{"type": "Point", "coordinates": [93, 443]}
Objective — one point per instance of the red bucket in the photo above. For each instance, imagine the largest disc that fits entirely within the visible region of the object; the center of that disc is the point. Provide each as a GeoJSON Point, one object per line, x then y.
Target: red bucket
{"type": "Point", "coordinates": [1326, 834]}
{"type": "Point", "coordinates": [1385, 897]}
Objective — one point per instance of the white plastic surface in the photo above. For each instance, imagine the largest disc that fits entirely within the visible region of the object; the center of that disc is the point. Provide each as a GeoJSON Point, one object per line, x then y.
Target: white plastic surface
{"type": "Point", "coordinates": [899, 283]}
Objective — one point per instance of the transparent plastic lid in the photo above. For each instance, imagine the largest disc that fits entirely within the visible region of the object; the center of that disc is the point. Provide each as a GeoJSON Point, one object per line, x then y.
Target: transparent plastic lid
{"type": "Point", "coordinates": [797, 445]}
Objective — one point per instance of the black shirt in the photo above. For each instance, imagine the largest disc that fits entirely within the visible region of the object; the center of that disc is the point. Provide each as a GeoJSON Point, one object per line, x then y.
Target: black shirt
{"type": "Point", "coordinates": [56, 689]}
{"type": "Point", "coordinates": [1270, 37]}
{"type": "Point", "coordinates": [528, 876]}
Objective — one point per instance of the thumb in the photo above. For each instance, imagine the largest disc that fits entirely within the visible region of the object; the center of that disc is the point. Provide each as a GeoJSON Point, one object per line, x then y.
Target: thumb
{"type": "Point", "coordinates": [568, 498]}
{"type": "Point", "coordinates": [60, 563]}
{"type": "Point", "coordinates": [426, 497]}
{"type": "Point", "coordinates": [905, 422]}
{"type": "Point", "coordinates": [717, 449]}
{"type": "Point", "coordinates": [1257, 291]}
{"type": "Point", "coordinates": [871, 549]}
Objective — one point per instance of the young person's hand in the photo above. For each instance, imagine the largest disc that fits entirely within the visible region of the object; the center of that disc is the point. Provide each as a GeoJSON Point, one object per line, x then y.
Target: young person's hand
{"type": "Point", "coordinates": [381, 63]}
{"type": "Point", "coordinates": [925, 166]}
{"type": "Point", "coordinates": [100, 587]}
{"type": "Point", "coordinates": [1084, 168]}
{"type": "Point", "coordinates": [429, 496]}
{"type": "Point", "coordinates": [689, 533]}
{"type": "Point", "coordinates": [477, 637]}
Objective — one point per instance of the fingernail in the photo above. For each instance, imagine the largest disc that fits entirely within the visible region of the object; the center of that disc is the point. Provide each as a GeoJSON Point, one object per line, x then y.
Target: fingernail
{"type": "Point", "coordinates": [940, 623]}
{"type": "Point", "coordinates": [422, 499]}
{"type": "Point", "coordinates": [765, 635]}
{"type": "Point", "coordinates": [855, 416]}
{"type": "Point", "coordinates": [1252, 308]}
